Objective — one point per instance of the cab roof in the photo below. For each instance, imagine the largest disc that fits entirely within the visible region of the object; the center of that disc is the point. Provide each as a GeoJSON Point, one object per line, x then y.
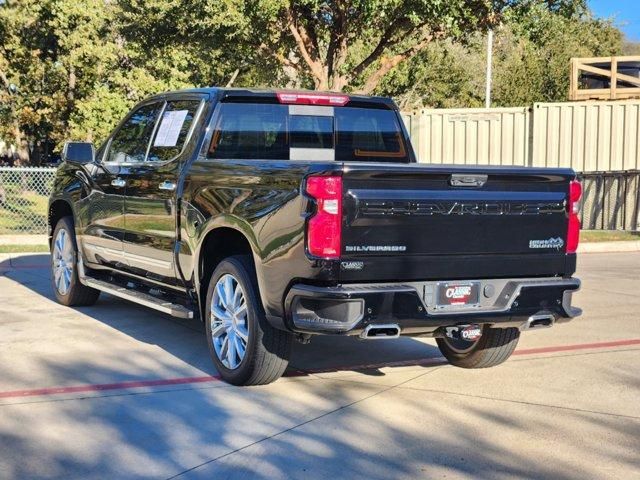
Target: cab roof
{"type": "Point", "coordinates": [246, 95]}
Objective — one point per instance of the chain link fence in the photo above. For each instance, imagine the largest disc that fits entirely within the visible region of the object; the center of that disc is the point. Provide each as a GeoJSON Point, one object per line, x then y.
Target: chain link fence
{"type": "Point", "coordinates": [24, 195]}
{"type": "Point", "coordinates": [611, 200]}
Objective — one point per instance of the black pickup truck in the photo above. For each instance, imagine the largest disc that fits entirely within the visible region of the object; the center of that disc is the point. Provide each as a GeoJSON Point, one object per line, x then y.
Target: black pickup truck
{"type": "Point", "coordinates": [275, 216]}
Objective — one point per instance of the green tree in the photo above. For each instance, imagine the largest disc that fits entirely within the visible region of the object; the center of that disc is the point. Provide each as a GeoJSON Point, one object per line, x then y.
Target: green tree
{"type": "Point", "coordinates": [534, 48]}
{"type": "Point", "coordinates": [55, 52]}
{"type": "Point", "coordinates": [630, 47]}
{"type": "Point", "coordinates": [353, 44]}
{"type": "Point", "coordinates": [533, 44]}
{"type": "Point", "coordinates": [200, 45]}
{"type": "Point", "coordinates": [436, 78]}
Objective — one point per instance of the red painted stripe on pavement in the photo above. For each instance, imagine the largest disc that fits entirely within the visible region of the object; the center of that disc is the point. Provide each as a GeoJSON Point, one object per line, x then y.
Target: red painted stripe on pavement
{"type": "Point", "coordinates": [205, 379]}
{"type": "Point", "coordinates": [107, 386]}
{"type": "Point", "coordinates": [579, 346]}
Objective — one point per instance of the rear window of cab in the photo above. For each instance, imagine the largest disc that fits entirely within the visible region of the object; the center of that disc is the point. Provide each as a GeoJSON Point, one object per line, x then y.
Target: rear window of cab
{"type": "Point", "coordinates": [307, 132]}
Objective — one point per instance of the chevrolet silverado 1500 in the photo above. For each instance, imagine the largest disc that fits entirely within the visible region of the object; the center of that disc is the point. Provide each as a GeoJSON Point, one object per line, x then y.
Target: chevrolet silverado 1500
{"type": "Point", "coordinates": [279, 215]}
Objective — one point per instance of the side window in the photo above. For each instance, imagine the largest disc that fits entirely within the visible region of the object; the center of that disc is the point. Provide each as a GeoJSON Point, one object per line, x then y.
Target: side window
{"type": "Point", "coordinates": [369, 135]}
{"type": "Point", "coordinates": [172, 132]}
{"type": "Point", "coordinates": [130, 142]}
{"type": "Point", "coordinates": [251, 132]}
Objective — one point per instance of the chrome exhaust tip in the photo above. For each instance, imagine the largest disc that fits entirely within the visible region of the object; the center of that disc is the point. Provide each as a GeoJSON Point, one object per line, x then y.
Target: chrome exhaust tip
{"type": "Point", "coordinates": [542, 320]}
{"type": "Point", "coordinates": [381, 331]}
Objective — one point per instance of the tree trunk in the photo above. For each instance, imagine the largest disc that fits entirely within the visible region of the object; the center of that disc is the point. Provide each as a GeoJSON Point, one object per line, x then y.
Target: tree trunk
{"type": "Point", "coordinates": [338, 83]}
{"type": "Point", "coordinates": [71, 92]}
{"type": "Point", "coordinates": [21, 155]}
{"type": "Point", "coordinates": [233, 78]}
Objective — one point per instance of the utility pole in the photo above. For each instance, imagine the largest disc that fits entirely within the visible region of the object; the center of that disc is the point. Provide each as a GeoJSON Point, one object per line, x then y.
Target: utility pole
{"type": "Point", "coordinates": [487, 95]}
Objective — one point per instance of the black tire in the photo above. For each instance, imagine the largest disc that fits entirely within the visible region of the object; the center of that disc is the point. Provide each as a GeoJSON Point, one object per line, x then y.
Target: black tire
{"type": "Point", "coordinates": [77, 294]}
{"type": "Point", "coordinates": [267, 349]}
{"type": "Point", "coordinates": [493, 348]}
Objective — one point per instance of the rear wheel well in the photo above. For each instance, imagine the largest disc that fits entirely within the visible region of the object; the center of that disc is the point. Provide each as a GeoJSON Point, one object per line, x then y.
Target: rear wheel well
{"type": "Point", "coordinates": [218, 245]}
{"type": "Point", "coordinates": [57, 210]}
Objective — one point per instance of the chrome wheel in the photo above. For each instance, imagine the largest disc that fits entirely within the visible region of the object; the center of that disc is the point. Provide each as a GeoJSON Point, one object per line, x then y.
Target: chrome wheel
{"type": "Point", "coordinates": [62, 261]}
{"type": "Point", "coordinates": [229, 322]}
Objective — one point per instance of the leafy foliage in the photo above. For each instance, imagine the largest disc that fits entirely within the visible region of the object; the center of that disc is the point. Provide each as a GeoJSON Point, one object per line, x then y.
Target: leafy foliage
{"type": "Point", "coordinates": [532, 48]}
{"type": "Point", "coordinates": [353, 44]}
{"type": "Point", "coordinates": [536, 46]}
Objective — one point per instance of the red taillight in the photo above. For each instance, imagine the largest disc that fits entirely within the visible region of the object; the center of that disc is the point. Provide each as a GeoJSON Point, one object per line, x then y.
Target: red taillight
{"type": "Point", "coordinates": [312, 99]}
{"type": "Point", "coordinates": [573, 208]}
{"type": "Point", "coordinates": [325, 226]}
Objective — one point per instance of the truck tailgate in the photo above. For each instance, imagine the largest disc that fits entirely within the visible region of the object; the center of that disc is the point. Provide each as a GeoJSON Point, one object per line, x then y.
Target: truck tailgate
{"type": "Point", "coordinates": [421, 222]}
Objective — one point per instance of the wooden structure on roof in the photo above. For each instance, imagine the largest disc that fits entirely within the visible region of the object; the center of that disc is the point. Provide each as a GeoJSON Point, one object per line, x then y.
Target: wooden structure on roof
{"type": "Point", "coordinates": [605, 78]}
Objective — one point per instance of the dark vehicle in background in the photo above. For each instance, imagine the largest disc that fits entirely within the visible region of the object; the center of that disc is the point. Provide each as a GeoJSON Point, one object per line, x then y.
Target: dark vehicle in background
{"type": "Point", "coordinates": [276, 216]}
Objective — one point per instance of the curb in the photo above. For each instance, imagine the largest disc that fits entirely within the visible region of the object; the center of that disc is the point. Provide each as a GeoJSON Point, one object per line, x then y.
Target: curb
{"type": "Point", "coordinates": [609, 247]}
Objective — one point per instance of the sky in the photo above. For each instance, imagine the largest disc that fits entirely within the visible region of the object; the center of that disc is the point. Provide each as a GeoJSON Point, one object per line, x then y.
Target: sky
{"type": "Point", "coordinates": [626, 15]}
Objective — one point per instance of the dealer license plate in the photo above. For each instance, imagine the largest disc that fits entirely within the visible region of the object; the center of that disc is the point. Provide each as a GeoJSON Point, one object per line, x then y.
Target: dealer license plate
{"type": "Point", "coordinates": [458, 293]}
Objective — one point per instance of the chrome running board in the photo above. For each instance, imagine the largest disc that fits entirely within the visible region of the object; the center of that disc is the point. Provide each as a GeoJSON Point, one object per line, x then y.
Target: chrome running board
{"type": "Point", "coordinates": [141, 298]}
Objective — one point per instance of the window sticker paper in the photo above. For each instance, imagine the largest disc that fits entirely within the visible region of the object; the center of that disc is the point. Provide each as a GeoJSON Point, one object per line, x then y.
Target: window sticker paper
{"type": "Point", "coordinates": [170, 128]}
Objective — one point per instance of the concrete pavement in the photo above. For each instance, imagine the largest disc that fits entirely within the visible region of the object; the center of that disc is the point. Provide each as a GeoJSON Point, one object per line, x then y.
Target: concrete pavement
{"type": "Point", "coordinates": [23, 239]}
{"type": "Point", "coordinates": [567, 406]}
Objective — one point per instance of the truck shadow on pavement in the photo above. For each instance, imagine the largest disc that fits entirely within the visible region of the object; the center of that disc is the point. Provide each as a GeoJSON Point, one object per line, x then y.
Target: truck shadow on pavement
{"type": "Point", "coordinates": [185, 339]}
{"type": "Point", "coordinates": [299, 427]}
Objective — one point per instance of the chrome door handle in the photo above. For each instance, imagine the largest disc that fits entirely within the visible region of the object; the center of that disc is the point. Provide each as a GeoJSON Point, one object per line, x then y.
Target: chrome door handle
{"type": "Point", "coordinates": [167, 185]}
{"type": "Point", "coordinates": [118, 182]}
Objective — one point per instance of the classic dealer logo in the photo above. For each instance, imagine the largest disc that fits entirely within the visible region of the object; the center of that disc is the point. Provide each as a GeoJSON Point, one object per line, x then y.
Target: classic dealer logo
{"type": "Point", "coordinates": [459, 292]}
